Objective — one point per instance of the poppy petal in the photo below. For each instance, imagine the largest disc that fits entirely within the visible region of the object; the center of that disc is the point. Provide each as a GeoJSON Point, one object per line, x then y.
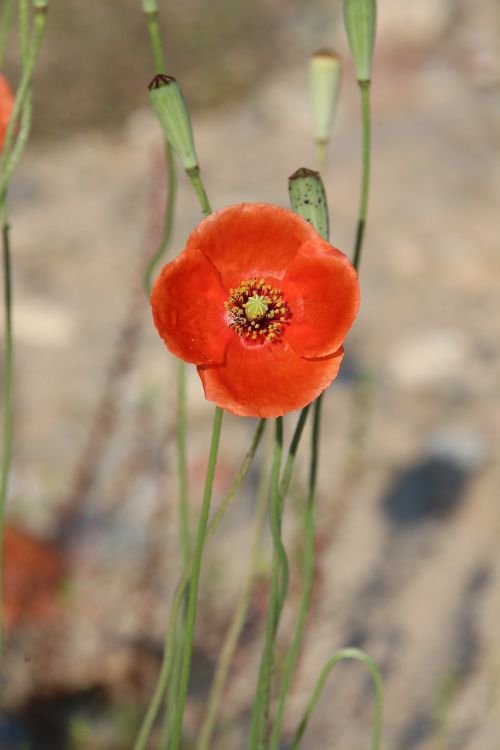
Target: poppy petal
{"type": "Point", "coordinates": [188, 309]}
{"type": "Point", "coordinates": [251, 240]}
{"type": "Point", "coordinates": [268, 380]}
{"type": "Point", "coordinates": [322, 291]}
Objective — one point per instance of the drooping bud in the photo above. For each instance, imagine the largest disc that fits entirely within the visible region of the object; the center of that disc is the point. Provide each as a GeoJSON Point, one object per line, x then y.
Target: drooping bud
{"type": "Point", "coordinates": [324, 81]}
{"type": "Point", "coordinates": [168, 103]}
{"type": "Point", "coordinates": [308, 199]}
{"type": "Point", "coordinates": [360, 17]}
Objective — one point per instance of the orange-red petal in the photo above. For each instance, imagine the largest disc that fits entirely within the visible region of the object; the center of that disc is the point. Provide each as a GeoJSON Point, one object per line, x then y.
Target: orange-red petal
{"type": "Point", "coordinates": [188, 309]}
{"type": "Point", "coordinates": [322, 291]}
{"type": "Point", "coordinates": [268, 380]}
{"type": "Point", "coordinates": [251, 240]}
{"type": "Point", "coordinates": [6, 104]}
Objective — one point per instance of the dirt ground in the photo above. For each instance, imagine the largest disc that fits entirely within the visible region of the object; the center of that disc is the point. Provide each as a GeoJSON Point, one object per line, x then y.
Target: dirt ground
{"type": "Point", "coordinates": [409, 506]}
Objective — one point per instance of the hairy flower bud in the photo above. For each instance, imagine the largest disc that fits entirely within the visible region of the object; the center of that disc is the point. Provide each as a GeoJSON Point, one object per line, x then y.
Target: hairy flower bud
{"type": "Point", "coordinates": [360, 18]}
{"type": "Point", "coordinates": [324, 80]}
{"type": "Point", "coordinates": [168, 103]}
{"type": "Point", "coordinates": [308, 199]}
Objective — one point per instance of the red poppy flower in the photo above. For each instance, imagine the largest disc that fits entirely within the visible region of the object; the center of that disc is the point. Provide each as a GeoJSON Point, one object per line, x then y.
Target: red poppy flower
{"type": "Point", "coordinates": [6, 102]}
{"type": "Point", "coordinates": [261, 304]}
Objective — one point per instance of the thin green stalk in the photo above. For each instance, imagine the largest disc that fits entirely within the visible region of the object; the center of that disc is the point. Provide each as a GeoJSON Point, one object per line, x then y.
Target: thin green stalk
{"type": "Point", "coordinates": [286, 476]}
{"type": "Point", "coordinates": [24, 26]}
{"type": "Point", "coordinates": [7, 162]}
{"type": "Point", "coordinates": [194, 176]}
{"type": "Point", "coordinates": [185, 533]}
{"type": "Point", "coordinates": [364, 90]}
{"type": "Point", "coordinates": [239, 616]}
{"type": "Point", "coordinates": [169, 218]}
{"type": "Point", "coordinates": [8, 365]}
{"type": "Point", "coordinates": [150, 10]}
{"type": "Point", "coordinates": [346, 653]}
{"type": "Point", "coordinates": [178, 597]}
{"type": "Point", "coordinates": [195, 579]}
{"type": "Point", "coordinates": [279, 582]}
{"type": "Point", "coordinates": [6, 16]}
{"type": "Point", "coordinates": [310, 521]}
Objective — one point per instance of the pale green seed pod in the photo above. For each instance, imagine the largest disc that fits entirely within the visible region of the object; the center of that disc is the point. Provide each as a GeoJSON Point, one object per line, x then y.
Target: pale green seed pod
{"type": "Point", "coordinates": [308, 199]}
{"type": "Point", "coordinates": [324, 82]}
{"type": "Point", "coordinates": [360, 17]}
{"type": "Point", "coordinates": [170, 108]}
{"type": "Point", "coordinates": [149, 6]}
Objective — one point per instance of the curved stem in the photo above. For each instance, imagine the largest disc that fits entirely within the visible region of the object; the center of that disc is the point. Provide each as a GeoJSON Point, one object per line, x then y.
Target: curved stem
{"type": "Point", "coordinates": [8, 364]}
{"type": "Point", "coordinates": [310, 518]}
{"type": "Point", "coordinates": [235, 628]}
{"type": "Point", "coordinates": [364, 90]}
{"type": "Point", "coordinates": [346, 653]}
{"type": "Point", "coordinates": [8, 160]}
{"type": "Point", "coordinates": [195, 579]}
{"type": "Point", "coordinates": [169, 219]}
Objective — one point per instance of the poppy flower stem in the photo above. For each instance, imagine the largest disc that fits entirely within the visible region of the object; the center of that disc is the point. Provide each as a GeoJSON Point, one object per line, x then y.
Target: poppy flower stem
{"type": "Point", "coordinates": [8, 363]}
{"type": "Point", "coordinates": [204, 741]}
{"type": "Point", "coordinates": [194, 176]}
{"type": "Point", "coordinates": [8, 161]}
{"type": "Point", "coordinates": [277, 595]}
{"type": "Point", "coordinates": [346, 653]}
{"type": "Point", "coordinates": [309, 532]}
{"type": "Point", "coordinates": [5, 24]}
{"type": "Point", "coordinates": [179, 592]}
{"type": "Point", "coordinates": [364, 90]}
{"type": "Point", "coordinates": [195, 579]}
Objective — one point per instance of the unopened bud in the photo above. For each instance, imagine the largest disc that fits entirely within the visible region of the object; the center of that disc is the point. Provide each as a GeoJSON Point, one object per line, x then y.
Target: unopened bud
{"type": "Point", "coordinates": [168, 103]}
{"type": "Point", "coordinates": [360, 17]}
{"type": "Point", "coordinates": [324, 80]}
{"type": "Point", "coordinates": [308, 199]}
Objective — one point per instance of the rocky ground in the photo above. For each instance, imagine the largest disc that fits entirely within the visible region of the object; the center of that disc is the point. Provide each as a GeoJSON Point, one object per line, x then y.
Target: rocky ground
{"type": "Point", "coordinates": [409, 513]}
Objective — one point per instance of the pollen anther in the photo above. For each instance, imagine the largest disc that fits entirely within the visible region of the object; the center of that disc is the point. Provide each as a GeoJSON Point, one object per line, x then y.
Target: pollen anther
{"type": "Point", "coordinates": [257, 311]}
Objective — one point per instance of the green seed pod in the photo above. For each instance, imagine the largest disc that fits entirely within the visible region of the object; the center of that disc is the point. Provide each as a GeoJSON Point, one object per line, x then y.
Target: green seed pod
{"type": "Point", "coordinates": [168, 103]}
{"type": "Point", "coordinates": [149, 6]}
{"type": "Point", "coordinates": [308, 199]}
{"type": "Point", "coordinates": [360, 18]}
{"type": "Point", "coordinates": [324, 81]}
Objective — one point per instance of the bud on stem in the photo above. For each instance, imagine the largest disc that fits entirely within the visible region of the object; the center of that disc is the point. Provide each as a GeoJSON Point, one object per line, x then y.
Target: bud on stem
{"type": "Point", "coordinates": [170, 108]}
{"type": "Point", "coordinates": [308, 199]}
{"type": "Point", "coordinates": [360, 18]}
{"type": "Point", "coordinates": [324, 81]}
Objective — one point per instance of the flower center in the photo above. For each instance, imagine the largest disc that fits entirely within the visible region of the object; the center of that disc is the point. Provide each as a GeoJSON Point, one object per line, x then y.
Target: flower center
{"type": "Point", "coordinates": [257, 311]}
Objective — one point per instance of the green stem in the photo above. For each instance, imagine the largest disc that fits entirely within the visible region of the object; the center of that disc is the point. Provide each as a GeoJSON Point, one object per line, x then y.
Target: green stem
{"type": "Point", "coordinates": [5, 23]}
{"type": "Point", "coordinates": [151, 12]}
{"type": "Point", "coordinates": [286, 477]}
{"type": "Point", "coordinates": [194, 176]}
{"type": "Point", "coordinates": [184, 525]}
{"type": "Point", "coordinates": [239, 616]}
{"type": "Point", "coordinates": [195, 579]}
{"type": "Point", "coordinates": [169, 219]}
{"type": "Point", "coordinates": [8, 364]}
{"type": "Point", "coordinates": [178, 597]}
{"type": "Point", "coordinates": [7, 161]}
{"type": "Point", "coordinates": [309, 533]}
{"type": "Point", "coordinates": [279, 582]}
{"type": "Point", "coordinates": [24, 24]}
{"type": "Point", "coordinates": [346, 653]}
{"type": "Point", "coordinates": [364, 90]}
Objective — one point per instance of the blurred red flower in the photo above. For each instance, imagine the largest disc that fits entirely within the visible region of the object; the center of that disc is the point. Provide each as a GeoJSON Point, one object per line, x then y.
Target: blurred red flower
{"type": "Point", "coordinates": [32, 575]}
{"type": "Point", "coordinates": [6, 103]}
{"type": "Point", "coordinates": [261, 304]}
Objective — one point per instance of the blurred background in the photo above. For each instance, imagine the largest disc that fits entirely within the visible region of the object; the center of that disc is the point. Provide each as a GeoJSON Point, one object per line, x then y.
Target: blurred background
{"type": "Point", "coordinates": [409, 504]}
